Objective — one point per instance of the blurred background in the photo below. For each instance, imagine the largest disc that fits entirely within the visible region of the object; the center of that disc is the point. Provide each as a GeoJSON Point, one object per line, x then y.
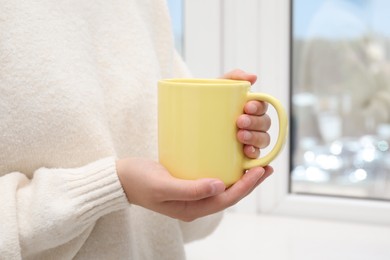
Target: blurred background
{"type": "Point", "coordinates": [341, 97]}
{"type": "Point", "coordinates": [328, 61]}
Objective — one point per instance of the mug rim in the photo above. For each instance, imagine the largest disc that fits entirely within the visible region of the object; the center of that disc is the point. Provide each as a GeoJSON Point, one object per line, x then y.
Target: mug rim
{"type": "Point", "coordinates": [204, 81]}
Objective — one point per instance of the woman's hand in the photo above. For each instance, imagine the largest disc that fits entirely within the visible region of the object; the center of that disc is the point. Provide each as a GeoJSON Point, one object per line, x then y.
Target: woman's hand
{"type": "Point", "coordinates": [254, 123]}
{"type": "Point", "coordinates": [148, 184]}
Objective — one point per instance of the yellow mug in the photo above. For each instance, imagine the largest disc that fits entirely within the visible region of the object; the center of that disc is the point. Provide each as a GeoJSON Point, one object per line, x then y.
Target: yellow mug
{"type": "Point", "coordinates": [197, 128]}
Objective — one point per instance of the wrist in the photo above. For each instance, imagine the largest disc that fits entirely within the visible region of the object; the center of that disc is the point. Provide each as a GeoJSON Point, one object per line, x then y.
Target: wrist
{"type": "Point", "coordinates": [120, 171]}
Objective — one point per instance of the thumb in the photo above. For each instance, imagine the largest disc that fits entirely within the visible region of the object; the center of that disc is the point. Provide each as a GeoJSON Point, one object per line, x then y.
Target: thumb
{"type": "Point", "coordinates": [188, 190]}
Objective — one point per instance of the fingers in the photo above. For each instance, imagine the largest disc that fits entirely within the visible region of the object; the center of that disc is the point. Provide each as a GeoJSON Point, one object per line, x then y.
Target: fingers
{"type": "Point", "coordinates": [256, 108]}
{"type": "Point", "coordinates": [195, 209]}
{"type": "Point", "coordinates": [268, 172]}
{"type": "Point", "coordinates": [238, 74]}
{"type": "Point", "coordinates": [253, 128]}
{"type": "Point", "coordinates": [256, 139]}
{"type": "Point", "coordinates": [189, 190]}
{"type": "Point", "coordinates": [254, 123]}
{"type": "Point", "coordinates": [242, 187]}
{"type": "Point", "coordinates": [255, 119]}
{"type": "Point", "coordinates": [251, 152]}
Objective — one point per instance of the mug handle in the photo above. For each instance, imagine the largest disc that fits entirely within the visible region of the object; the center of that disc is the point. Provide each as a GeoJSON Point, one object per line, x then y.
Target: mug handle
{"type": "Point", "coordinates": [282, 118]}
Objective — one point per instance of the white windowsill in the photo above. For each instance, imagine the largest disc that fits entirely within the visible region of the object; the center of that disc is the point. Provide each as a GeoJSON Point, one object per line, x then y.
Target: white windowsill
{"type": "Point", "coordinates": [250, 237]}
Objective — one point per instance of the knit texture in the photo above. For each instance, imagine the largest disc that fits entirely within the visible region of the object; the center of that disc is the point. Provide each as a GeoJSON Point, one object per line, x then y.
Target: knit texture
{"type": "Point", "coordinates": [78, 90]}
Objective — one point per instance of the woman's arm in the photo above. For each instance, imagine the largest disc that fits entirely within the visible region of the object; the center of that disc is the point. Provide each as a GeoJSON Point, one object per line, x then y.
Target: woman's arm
{"type": "Point", "coordinates": [55, 206]}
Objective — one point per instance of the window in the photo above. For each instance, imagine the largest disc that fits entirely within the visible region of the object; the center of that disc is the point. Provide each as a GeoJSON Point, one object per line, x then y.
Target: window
{"type": "Point", "coordinates": [276, 61]}
{"type": "Point", "coordinates": [176, 10]}
{"type": "Point", "coordinates": [341, 98]}
{"type": "Point", "coordinates": [255, 35]}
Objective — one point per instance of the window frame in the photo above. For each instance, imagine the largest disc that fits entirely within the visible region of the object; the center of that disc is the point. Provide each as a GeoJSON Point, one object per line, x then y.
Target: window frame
{"type": "Point", "coordinates": [264, 49]}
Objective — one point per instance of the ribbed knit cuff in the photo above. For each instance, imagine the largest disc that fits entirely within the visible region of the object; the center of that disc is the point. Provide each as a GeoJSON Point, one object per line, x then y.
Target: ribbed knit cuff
{"type": "Point", "coordinates": [96, 190]}
{"type": "Point", "coordinates": [58, 204]}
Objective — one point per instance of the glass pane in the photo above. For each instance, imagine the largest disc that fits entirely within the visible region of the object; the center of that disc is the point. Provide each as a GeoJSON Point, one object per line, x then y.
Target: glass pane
{"type": "Point", "coordinates": [176, 12]}
{"type": "Point", "coordinates": [341, 98]}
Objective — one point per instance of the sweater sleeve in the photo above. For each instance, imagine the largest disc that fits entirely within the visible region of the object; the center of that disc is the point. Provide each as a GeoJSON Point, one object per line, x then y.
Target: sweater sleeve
{"type": "Point", "coordinates": [200, 228]}
{"type": "Point", "coordinates": [180, 69]}
{"type": "Point", "coordinates": [55, 206]}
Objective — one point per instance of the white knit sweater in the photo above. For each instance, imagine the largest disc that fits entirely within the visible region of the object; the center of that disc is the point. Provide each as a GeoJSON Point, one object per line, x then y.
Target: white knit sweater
{"type": "Point", "coordinates": [78, 90]}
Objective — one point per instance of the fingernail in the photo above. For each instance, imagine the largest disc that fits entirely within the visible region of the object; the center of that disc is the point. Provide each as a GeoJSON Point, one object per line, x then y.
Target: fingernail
{"type": "Point", "coordinates": [246, 121]}
{"type": "Point", "coordinates": [261, 172]}
{"type": "Point", "coordinates": [253, 150]}
{"type": "Point", "coordinates": [247, 135]}
{"type": "Point", "coordinates": [251, 108]}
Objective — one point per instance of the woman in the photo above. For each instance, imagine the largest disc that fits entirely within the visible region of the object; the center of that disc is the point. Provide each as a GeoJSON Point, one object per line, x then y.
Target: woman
{"type": "Point", "coordinates": [78, 171]}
